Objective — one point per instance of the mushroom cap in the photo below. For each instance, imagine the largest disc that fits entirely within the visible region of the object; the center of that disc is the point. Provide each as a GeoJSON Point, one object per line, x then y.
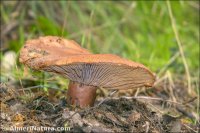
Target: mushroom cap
{"type": "Point", "coordinates": [77, 64]}
{"type": "Point", "coordinates": [51, 46]}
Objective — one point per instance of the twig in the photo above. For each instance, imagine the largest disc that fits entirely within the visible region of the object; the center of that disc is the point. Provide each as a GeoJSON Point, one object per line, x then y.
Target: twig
{"type": "Point", "coordinates": [147, 127]}
{"type": "Point", "coordinates": [179, 46]}
{"type": "Point", "coordinates": [169, 63]}
{"type": "Point", "coordinates": [161, 112]}
{"type": "Point", "coordinates": [198, 98]}
{"type": "Point", "coordinates": [191, 100]}
{"type": "Point", "coordinates": [190, 128]}
{"type": "Point", "coordinates": [171, 86]}
{"type": "Point", "coordinates": [32, 87]}
{"type": "Point", "coordinates": [160, 79]}
{"type": "Point", "coordinates": [38, 86]}
{"type": "Point", "coordinates": [20, 81]}
{"type": "Point", "coordinates": [112, 93]}
{"type": "Point", "coordinates": [137, 92]}
{"type": "Point", "coordinates": [65, 19]}
{"type": "Point", "coordinates": [149, 98]}
{"type": "Point", "coordinates": [185, 113]}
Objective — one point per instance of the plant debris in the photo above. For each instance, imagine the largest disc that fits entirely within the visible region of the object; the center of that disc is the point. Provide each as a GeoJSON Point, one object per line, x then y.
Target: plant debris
{"type": "Point", "coordinates": [112, 115]}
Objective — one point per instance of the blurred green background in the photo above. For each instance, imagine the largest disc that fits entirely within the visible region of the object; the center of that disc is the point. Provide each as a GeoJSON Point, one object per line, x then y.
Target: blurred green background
{"type": "Point", "coordinates": [137, 30]}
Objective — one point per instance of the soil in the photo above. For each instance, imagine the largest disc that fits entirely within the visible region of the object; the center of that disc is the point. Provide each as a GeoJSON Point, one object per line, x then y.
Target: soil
{"type": "Point", "coordinates": [34, 107]}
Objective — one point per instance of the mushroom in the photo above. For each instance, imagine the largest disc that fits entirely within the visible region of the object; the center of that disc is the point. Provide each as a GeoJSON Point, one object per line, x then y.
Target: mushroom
{"type": "Point", "coordinates": [85, 71]}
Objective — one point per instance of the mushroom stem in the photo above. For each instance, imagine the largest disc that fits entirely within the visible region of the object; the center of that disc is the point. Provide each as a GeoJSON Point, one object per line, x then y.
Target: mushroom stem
{"type": "Point", "coordinates": [81, 95]}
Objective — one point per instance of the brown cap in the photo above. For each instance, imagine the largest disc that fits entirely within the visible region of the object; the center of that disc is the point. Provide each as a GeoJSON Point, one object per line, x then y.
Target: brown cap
{"type": "Point", "coordinates": [102, 70]}
{"type": "Point", "coordinates": [49, 47]}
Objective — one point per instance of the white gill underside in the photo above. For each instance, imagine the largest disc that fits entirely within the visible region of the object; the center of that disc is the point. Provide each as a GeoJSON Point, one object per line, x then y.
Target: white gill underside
{"type": "Point", "coordinates": [104, 75]}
